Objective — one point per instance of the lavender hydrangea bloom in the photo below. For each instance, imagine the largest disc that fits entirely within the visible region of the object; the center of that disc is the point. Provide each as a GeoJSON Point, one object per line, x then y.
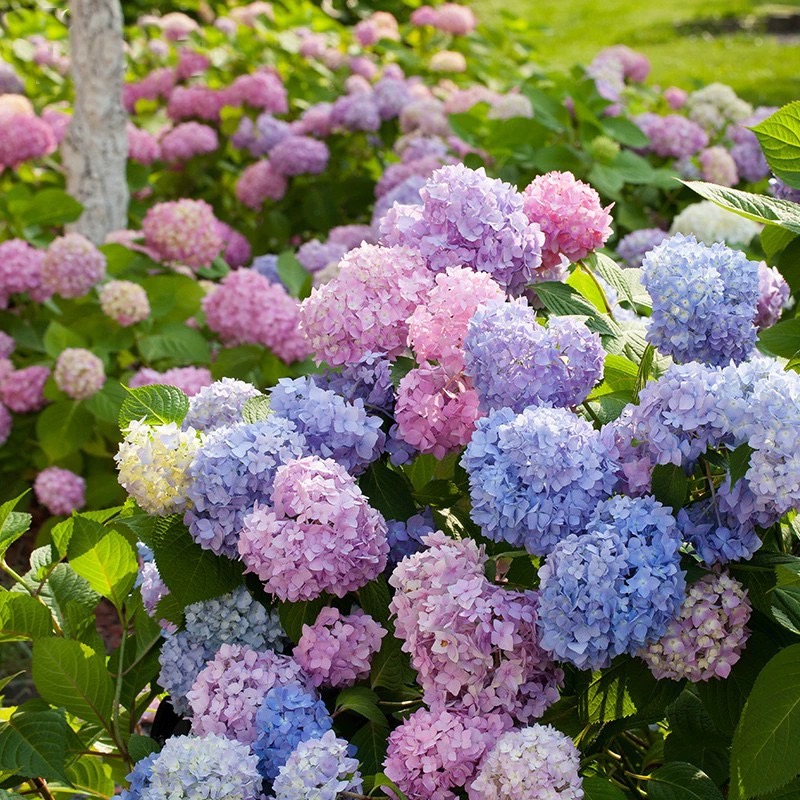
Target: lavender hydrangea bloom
{"type": "Point", "coordinates": [390, 97]}
{"type": "Point", "coordinates": [783, 191]}
{"type": "Point", "coordinates": [633, 247]}
{"type": "Point", "coordinates": [405, 194]}
{"type": "Point", "coordinates": [672, 135]}
{"type": "Point", "coordinates": [514, 362]}
{"type": "Point", "coordinates": [267, 265]}
{"type": "Point", "coordinates": [182, 657]}
{"type": "Point", "coordinates": [288, 715]}
{"type": "Point", "coordinates": [613, 589]}
{"type": "Point", "coordinates": [535, 477]}
{"type": "Point", "coordinates": [315, 255]}
{"type": "Point", "coordinates": [332, 426]}
{"type": "Point", "coordinates": [218, 405]}
{"type": "Point", "coordinates": [704, 300]}
{"type": "Point", "coordinates": [369, 379]}
{"type": "Point", "coordinates": [405, 538]}
{"type": "Point", "coordinates": [356, 112]}
{"type": "Point", "coordinates": [138, 778]}
{"type": "Point", "coordinates": [233, 469]}
{"type": "Point", "coordinates": [468, 219]}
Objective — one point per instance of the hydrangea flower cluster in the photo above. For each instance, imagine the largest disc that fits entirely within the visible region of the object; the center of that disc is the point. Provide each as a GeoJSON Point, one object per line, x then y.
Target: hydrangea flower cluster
{"type": "Point", "coordinates": [535, 762]}
{"type": "Point", "coordinates": [288, 715]}
{"type": "Point", "coordinates": [318, 768]}
{"type": "Point", "coordinates": [672, 136]}
{"type": "Point", "coordinates": [515, 362]}
{"type": "Point", "coordinates": [707, 636]}
{"type": "Point", "coordinates": [219, 405]}
{"type": "Point", "coordinates": [366, 307]}
{"type": "Point", "coordinates": [72, 265]}
{"type": "Point", "coordinates": [405, 538]}
{"type": "Point", "coordinates": [22, 390]}
{"type": "Point", "coordinates": [633, 247]}
{"type": "Point", "coordinates": [227, 693]}
{"type": "Point", "coordinates": [60, 491]}
{"type": "Point", "coordinates": [333, 427]}
{"type": "Point", "coordinates": [773, 295]}
{"type": "Point", "coordinates": [20, 271]}
{"type": "Point", "coordinates": [183, 232]}
{"type": "Point", "coordinates": [535, 477]}
{"type": "Point", "coordinates": [709, 224]}
{"type": "Point", "coordinates": [299, 155]}
{"type": "Point", "coordinates": [337, 649]}
{"type": "Point", "coordinates": [189, 767]}
{"type": "Point", "coordinates": [187, 140]}
{"type": "Point", "coordinates": [259, 182]}
{"type": "Point", "coordinates": [231, 471]}
{"type": "Point", "coordinates": [434, 752]}
{"type": "Point", "coordinates": [125, 302]}
{"type": "Point", "coordinates": [190, 380]}
{"type": "Point", "coordinates": [614, 588]}
{"type": "Point", "coordinates": [468, 219]}
{"type": "Point", "coordinates": [318, 535]}
{"type": "Point", "coordinates": [704, 300]}
{"type": "Point", "coordinates": [369, 379]}
{"type": "Point", "coordinates": [474, 645]}
{"type": "Point", "coordinates": [153, 465]}
{"type": "Point", "coordinates": [570, 215]}
{"type": "Point", "coordinates": [717, 166]}
{"type": "Point", "coordinates": [79, 373]}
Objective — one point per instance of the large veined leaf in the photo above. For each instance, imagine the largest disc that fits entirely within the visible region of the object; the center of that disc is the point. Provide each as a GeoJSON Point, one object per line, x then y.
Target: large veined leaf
{"type": "Point", "coordinates": [33, 744]}
{"type": "Point", "coordinates": [680, 781]}
{"type": "Point", "coordinates": [156, 405]}
{"type": "Point", "coordinates": [23, 617]}
{"type": "Point", "coordinates": [779, 137]}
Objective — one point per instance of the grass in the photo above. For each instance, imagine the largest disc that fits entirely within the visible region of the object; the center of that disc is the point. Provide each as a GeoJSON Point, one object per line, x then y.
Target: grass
{"type": "Point", "coordinates": [682, 40]}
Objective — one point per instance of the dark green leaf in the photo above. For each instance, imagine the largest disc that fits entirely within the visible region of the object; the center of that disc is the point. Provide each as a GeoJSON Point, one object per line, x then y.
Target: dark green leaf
{"type": "Point", "coordinates": [12, 527]}
{"type": "Point", "coordinates": [374, 599]}
{"type": "Point", "coordinates": [63, 427]}
{"type": "Point", "coordinates": [177, 344]}
{"type": "Point", "coordinates": [387, 668]}
{"type": "Point", "coordinates": [370, 742]}
{"type": "Point", "coordinates": [140, 747]}
{"type": "Point", "coordinates": [401, 366]}
{"type": "Point", "coordinates": [739, 462]}
{"type": "Point", "coordinates": [774, 239]}
{"type": "Point", "coordinates": [294, 276]}
{"type": "Point", "coordinates": [670, 486]}
{"type": "Point", "coordinates": [92, 777]}
{"type": "Point", "coordinates": [49, 207]}
{"type": "Point", "coordinates": [57, 338]}
{"type": "Point", "coordinates": [681, 781]}
{"type": "Point", "coordinates": [782, 339]}
{"type": "Point", "coordinates": [294, 615]}
{"type": "Point", "coordinates": [596, 788]}
{"type": "Point", "coordinates": [362, 701]}
{"type": "Point", "coordinates": [388, 491]}
{"type": "Point", "coordinates": [33, 744]}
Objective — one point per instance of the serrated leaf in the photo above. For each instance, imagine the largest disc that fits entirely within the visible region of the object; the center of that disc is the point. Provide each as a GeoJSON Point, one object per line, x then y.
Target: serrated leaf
{"type": "Point", "coordinates": [92, 777]}
{"type": "Point", "coordinates": [70, 599]}
{"type": "Point", "coordinates": [33, 744]}
{"type": "Point", "coordinates": [779, 137]}
{"type": "Point", "coordinates": [388, 491]}
{"type": "Point", "coordinates": [362, 701]}
{"type": "Point", "coordinates": [765, 755]}
{"type": "Point", "coordinates": [611, 273]}
{"type": "Point", "coordinates": [70, 674]}
{"type": "Point", "coordinates": [607, 697]}
{"type": "Point", "coordinates": [759, 208]}
{"type": "Point", "coordinates": [10, 529]}
{"type": "Point", "coordinates": [140, 747]}
{"type": "Point", "coordinates": [256, 409]}
{"type": "Point", "coordinates": [23, 617]}
{"type": "Point", "coordinates": [294, 615]}
{"type": "Point", "coordinates": [63, 427]}
{"type": "Point", "coordinates": [558, 298]}
{"type": "Point", "coordinates": [781, 339]}
{"type": "Point", "coordinates": [681, 781]}
{"type": "Point", "coordinates": [156, 405]}
{"type": "Point", "coordinates": [739, 462]}
{"type": "Point", "coordinates": [670, 486]}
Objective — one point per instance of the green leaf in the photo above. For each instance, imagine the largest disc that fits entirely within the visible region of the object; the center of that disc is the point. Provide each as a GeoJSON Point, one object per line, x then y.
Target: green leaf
{"type": "Point", "coordinates": [33, 744]}
{"type": "Point", "coordinates": [611, 273]}
{"type": "Point", "coordinates": [765, 755]}
{"type": "Point", "coordinates": [785, 607]}
{"type": "Point", "coordinates": [400, 367]}
{"type": "Point", "coordinates": [70, 674]}
{"type": "Point", "coordinates": [380, 780]}
{"type": "Point", "coordinates": [739, 462]}
{"type": "Point", "coordinates": [779, 136]}
{"type": "Point", "coordinates": [558, 298]}
{"type": "Point", "coordinates": [619, 373]}
{"type": "Point", "coordinates": [92, 777]}
{"type": "Point", "coordinates": [388, 491]}
{"type": "Point", "coordinates": [645, 368]}
{"type": "Point", "coordinates": [607, 697]}
{"type": "Point", "coordinates": [70, 599]}
{"type": "Point", "coordinates": [23, 617]}
{"type": "Point", "coordinates": [256, 409]}
{"type": "Point", "coordinates": [57, 338]}
{"type": "Point", "coordinates": [370, 741]}
{"type": "Point", "coordinates": [105, 558]}
{"type": "Point", "coordinates": [759, 208]}
{"type": "Point", "coordinates": [681, 781]}
{"type": "Point", "coordinates": [241, 362]}
{"type": "Point", "coordinates": [294, 615]}
{"type": "Point", "coordinates": [595, 788]}
{"type": "Point", "coordinates": [782, 339]}
{"type": "Point", "coordinates": [12, 524]}
{"type": "Point", "coordinates": [48, 207]}
{"type": "Point", "coordinates": [294, 276]}
{"type": "Point", "coordinates": [156, 405]}
{"type": "Point", "coordinates": [387, 665]}
{"type": "Point", "coordinates": [140, 747]}
{"type": "Point", "coordinates": [670, 486]}
{"type": "Point", "coordinates": [624, 131]}
{"type": "Point", "coordinates": [374, 599]}
{"type": "Point", "coordinates": [363, 701]}
{"type": "Point", "coordinates": [63, 427]}
{"type": "Point", "coordinates": [176, 343]}
{"type": "Point", "coordinates": [775, 239]}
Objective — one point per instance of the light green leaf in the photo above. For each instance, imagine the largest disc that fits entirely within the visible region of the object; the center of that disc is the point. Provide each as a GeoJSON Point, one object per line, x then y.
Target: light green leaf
{"type": "Point", "coordinates": [256, 409]}
{"type": "Point", "coordinates": [33, 744]}
{"type": "Point", "coordinates": [779, 136]}
{"type": "Point", "coordinates": [611, 273]}
{"type": "Point", "coordinates": [12, 523]}
{"type": "Point", "coordinates": [294, 276]}
{"type": "Point", "coordinates": [63, 427]}
{"type": "Point", "coordinates": [558, 298]}
{"type": "Point", "coordinates": [58, 337]}
{"type": "Point", "coordinates": [156, 405]}
{"type": "Point", "coordinates": [23, 617]}
{"type": "Point", "coordinates": [92, 777]}
{"type": "Point", "coordinates": [48, 207]}
{"type": "Point", "coordinates": [177, 344]}
{"type": "Point", "coordinates": [70, 674]}
{"type": "Point", "coordinates": [782, 339]}
{"type": "Point", "coordinates": [775, 239]}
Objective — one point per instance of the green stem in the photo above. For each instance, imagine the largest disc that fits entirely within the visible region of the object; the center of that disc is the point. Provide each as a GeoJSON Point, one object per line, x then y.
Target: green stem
{"type": "Point", "coordinates": [118, 689]}
{"type": "Point", "coordinates": [599, 288]}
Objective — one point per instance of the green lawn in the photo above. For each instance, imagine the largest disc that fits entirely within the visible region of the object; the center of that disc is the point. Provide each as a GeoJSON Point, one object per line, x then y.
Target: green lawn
{"type": "Point", "coordinates": [762, 68]}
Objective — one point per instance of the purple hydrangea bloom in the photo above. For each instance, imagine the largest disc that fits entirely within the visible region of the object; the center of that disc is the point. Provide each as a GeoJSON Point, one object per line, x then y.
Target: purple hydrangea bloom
{"type": "Point", "coordinates": [299, 155]}
{"type": "Point", "coordinates": [390, 97]}
{"type": "Point", "coordinates": [613, 589]}
{"type": "Point", "coordinates": [332, 426]}
{"type": "Point", "coordinates": [515, 362]}
{"type": "Point", "coordinates": [774, 294]}
{"type": "Point", "coordinates": [267, 265]}
{"type": "Point", "coordinates": [233, 469]}
{"type": "Point", "coordinates": [405, 538]}
{"type": "Point", "coordinates": [218, 405]}
{"type": "Point", "coordinates": [369, 379]}
{"type": "Point", "coordinates": [405, 194]}
{"type": "Point", "coordinates": [633, 247]}
{"type": "Point", "coordinates": [783, 191]}
{"type": "Point", "coordinates": [315, 255]}
{"type": "Point", "coordinates": [704, 300]}
{"type": "Point", "coordinates": [356, 112]}
{"type": "Point", "coordinates": [289, 714]}
{"type": "Point", "coordinates": [468, 219]}
{"type": "Point", "coordinates": [672, 136]}
{"type": "Point", "coordinates": [536, 476]}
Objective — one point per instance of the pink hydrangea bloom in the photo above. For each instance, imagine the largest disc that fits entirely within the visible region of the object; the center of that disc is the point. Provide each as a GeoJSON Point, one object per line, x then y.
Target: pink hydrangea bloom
{"type": "Point", "coordinates": [187, 102]}
{"type": "Point", "coordinates": [717, 166]}
{"type": "Point", "coordinates": [247, 308]}
{"type": "Point", "coordinates": [319, 534]}
{"type": "Point", "coordinates": [7, 346]}
{"type": "Point", "coordinates": [125, 302]}
{"type": "Point", "coordinates": [60, 491]}
{"type": "Point", "coordinates": [142, 146]}
{"type": "Point", "coordinates": [22, 390]}
{"type": "Point", "coordinates": [379, 25]}
{"type": "Point", "coordinates": [237, 251]}
{"type": "Point", "coordinates": [436, 410]}
{"type": "Point", "coordinates": [58, 120]}
{"type": "Point", "coordinates": [262, 90]}
{"type": "Point", "coordinates": [475, 646]}
{"type": "Point", "coordinates": [570, 214]}
{"type": "Point", "coordinates": [159, 83]}
{"type": "Point", "coordinates": [436, 330]}
{"type": "Point", "coordinates": [183, 231]}
{"type": "Point", "coordinates": [337, 649]}
{"type": "Point", "coordinates": [190, 380]}
{"type": "Point", "coordinates": [299, 155]}
{"type": "Point", "coordinates": [72, 266]}
{"type": "Point", "coordinates": [191, 63]}
{"type": "Point", "coordinates": [708, 635]}
{"type": "Point", "coordinates": [23, 136]}
{"type": "Point", "coordinates": [315, 121]}
{"type": "Point", "coordinates": [454, 19]}
{"type": "Point", "coordinates": [434, 752]}
{"type": "Point", "coordinates": [5, 424]}
{"type": "Point", "coordinates": [773, 295]}
{"type": "Point", "coordinates": [20, 270]}
{"type": "Point", "coordinates": [187, 140]}
{"type": "Point", "coordinates": [79, 373]}
{"type": "Point", "coordinates": [228, 692]}
{"type": "Point", "coordinates": [365, 308]}
{"type": "Point", "coordinates": [424, 15]}
{"type": "Point", "coordinates": [260, 182]}
{"type": "Point", "coordinates": [676, 97]}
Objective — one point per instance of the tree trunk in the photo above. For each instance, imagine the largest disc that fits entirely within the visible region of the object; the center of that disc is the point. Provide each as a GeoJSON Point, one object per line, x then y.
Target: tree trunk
{"type": "Point", "coordinates": [95, 149]}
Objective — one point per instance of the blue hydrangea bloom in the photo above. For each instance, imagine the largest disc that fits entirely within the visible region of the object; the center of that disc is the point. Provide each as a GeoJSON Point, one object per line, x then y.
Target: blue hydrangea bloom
{"type": "Point", "coordinates": [182, 656]}
{"type": "Point", "coordinates": [405, 538]}
{"type": "Point", "coordinates": [516, 362]}
{"type": "Point", "coordinates": [613, 589]}
{"type": "Point", "coordinates": [267, 265]}
{"type": "Point", "coordinates": [369, 379]}
{"type": "Point", "coordinates": [218, 405]}
{"type": "Point", "coordinates": [535, 477]}
{"type": "Point", "coordinates": [233, 469]}
{"type": "Point", "coordinates": [138, 778]}
{"type": "Point", "coordinates": [287, 716]}
{"type": "Point", "coordinates": [332, 426]}
{"type": "Point", "coordinates": [704, 300]}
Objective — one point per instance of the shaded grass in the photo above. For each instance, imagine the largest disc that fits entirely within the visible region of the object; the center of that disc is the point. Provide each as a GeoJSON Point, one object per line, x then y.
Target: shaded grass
{"type": "Point", "coordinates": [679, 38]}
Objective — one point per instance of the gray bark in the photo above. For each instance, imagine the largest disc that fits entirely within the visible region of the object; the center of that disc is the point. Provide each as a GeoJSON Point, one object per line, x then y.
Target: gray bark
{"type": "Point", "coordinates": [95, 149]}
